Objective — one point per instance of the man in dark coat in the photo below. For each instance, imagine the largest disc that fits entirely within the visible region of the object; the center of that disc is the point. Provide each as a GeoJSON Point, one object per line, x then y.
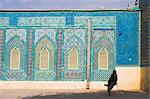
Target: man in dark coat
{"type": "Point", "coordinates": [112, 81]}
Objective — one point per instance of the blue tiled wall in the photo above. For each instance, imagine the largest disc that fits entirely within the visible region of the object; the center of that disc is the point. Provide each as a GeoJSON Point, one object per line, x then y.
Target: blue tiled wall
{"type": "Point", "coordinates": [127, 30]}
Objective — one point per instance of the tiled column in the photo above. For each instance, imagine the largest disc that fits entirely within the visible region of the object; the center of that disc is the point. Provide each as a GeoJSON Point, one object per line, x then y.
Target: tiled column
{"type": "Point", "coordinates": [59, 55]}
{"type": "Point", "coordinates": [1, 45]}
{"type": "Point", "coordinates": [30, 44]}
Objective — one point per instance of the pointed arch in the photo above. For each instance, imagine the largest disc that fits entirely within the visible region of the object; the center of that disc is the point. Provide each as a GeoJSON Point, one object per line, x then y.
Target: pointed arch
{"type": "Point", "coordinates": [15, 58]}
{"type": "Point", "coordinates": [74, 37]}
{"type": "Point", "coordinates": [44, 37]}
{"type": "Point", "coordinates": [103, 59]}
{"type": "Point", "coordinates": [44, 43]}
{"type": "Point", "coordinates": [44, 58]}
{"type": "Point", "coordinates": [73, 59]}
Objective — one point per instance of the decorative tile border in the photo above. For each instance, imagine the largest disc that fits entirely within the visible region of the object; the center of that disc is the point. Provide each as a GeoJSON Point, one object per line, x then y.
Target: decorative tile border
{"type": "Point", "coordinates": [42, 21]}
{"type": "Point", "coordinates": [98, 21]}
{"type": "Point", "coordinates": [4, 21]}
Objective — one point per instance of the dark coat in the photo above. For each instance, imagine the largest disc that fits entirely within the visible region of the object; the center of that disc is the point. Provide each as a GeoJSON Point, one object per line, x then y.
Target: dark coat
{"type": "Point", "coordinates": [112, 81]}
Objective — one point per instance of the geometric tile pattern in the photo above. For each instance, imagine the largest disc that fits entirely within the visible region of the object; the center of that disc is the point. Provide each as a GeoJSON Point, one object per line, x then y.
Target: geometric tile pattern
{"type": "Point", "coordinates": [42, 21]}
{"type": "Point", "coordinates": [74, 38]}
{"type": "Point", "coordinates": [39, 33]}
{"type": "Point", "coordinates": [50, 35]}
{"type": "Point", "coordinates": [4, 21]}
{"type": "Point", "coordinates": [59, 55]}
{"type": "Point", "coordinates": [1, 47]}
{"type": "Point", "coordinates": [96, 21]}
{"type": "Point", "coordinates": [102, 39]}
{"type": "Point", "coordinates": [105, 21]}
{"type": "Point", "coordinates": [117, 31]}
{"type": "Point", "coordinates": [19, 32]}
{"type": "Point", "coordinates": [15, 74]}
{"type": "Point", "coordinates": [30, 45]}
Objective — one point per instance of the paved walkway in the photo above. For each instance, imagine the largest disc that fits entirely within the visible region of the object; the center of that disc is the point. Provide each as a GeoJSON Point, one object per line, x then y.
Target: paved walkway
{"type": "Point", "coordinates": [70, 94]}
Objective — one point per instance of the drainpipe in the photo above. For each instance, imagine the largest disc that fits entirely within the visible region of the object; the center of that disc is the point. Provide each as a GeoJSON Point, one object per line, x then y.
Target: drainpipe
{"type": "Point", "coordinates": [88, 54]}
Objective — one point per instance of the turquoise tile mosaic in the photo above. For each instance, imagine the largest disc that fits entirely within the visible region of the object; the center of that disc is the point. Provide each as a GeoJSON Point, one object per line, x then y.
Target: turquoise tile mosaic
{"type": "Point", "coordinates": [74, 38]}
{"type": "Point", "coordinates": [116, 31]}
